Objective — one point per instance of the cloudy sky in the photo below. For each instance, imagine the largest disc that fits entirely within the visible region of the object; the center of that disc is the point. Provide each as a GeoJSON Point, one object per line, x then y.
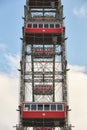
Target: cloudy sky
{"type": "Point", "coordinates": [10, 48]}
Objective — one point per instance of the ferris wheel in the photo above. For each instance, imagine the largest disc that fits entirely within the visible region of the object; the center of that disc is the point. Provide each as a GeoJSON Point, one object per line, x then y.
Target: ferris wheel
{"type": "Point", "coordinates": [43, 88]}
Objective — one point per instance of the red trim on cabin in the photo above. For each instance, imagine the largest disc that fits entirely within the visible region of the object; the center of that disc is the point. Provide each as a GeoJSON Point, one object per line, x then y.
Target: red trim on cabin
{"type": "Point", "coordinates": [43, 51]}
{"type": "Point", "coordinates": [43, 30]}
{"type": "Point", "coordinates": [42, 89]}
{"type": "Point", "coordinates": [43, 114]}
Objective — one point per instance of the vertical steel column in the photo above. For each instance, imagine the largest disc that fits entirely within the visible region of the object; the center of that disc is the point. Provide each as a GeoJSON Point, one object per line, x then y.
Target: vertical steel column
{"type": "Point", "coordinates": [32, 62]}
{"type": "Point", "coordinates": [53, 73]}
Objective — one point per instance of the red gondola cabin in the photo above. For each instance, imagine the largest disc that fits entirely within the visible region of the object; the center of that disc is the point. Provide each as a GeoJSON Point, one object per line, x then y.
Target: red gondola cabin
{"type": "Point", "coordinates": [43, 89]}
{"type": "Point", "coordinates": [53, 27]}
{"type": "Point", "coordinates": [39, 114]}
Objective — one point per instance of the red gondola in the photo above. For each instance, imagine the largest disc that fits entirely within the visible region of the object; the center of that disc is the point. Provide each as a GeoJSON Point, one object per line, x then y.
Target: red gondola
{"type": "Point", "coordinates": [40, 52]}
{"type": "Point", "coordinates": [43, 114]}
{"type": "Point", "coordinates": [43, 89]}
{"type": "Point", "coordinates": [48, 28]}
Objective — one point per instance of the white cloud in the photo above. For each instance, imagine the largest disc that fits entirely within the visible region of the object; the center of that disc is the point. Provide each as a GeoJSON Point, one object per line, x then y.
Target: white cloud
{"type": "Point", "coordinates": [77, 68]}
{"type": "Point", "coordinates": [77, 97]}
{"type": "Point", "coordinates": [8, 101]}
{"type": "Point", "coordinates": [9, 92]}
{"type": "Point", "coordinates": [12, 61]}
{"type": "Point", "coordinates": [81, 11]}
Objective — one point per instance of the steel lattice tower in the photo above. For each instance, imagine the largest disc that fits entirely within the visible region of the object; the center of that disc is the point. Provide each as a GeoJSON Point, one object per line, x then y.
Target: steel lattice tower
{"type": "Point", "coordinates": [43, 61]}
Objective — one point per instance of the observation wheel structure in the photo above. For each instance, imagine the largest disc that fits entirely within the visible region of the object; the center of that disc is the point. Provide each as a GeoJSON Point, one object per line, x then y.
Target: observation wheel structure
{"type": "Point", "coordinates": [43, 88]}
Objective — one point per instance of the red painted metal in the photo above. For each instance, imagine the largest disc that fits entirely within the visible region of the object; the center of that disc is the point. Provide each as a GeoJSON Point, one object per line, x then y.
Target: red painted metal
{"type": "Point", "coordinates": [43, 114]}
{"type": "Point", "coordinates": [42, 51]}
{"type": "Point", "coordinates": [42, 89]}
{"type": "Point", "coordinates": [43, 30]}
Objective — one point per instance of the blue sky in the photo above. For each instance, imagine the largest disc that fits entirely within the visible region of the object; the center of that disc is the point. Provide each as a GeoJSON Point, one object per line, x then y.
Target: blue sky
{"type": "Point", "coordinates": [10, 49]}
{"type": "Point", "coordinates": [10, 29]}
